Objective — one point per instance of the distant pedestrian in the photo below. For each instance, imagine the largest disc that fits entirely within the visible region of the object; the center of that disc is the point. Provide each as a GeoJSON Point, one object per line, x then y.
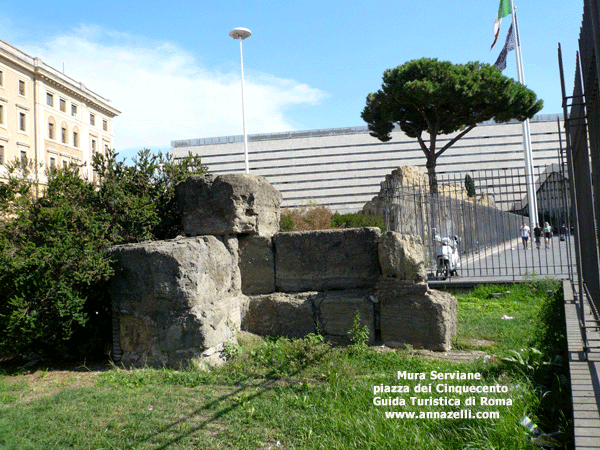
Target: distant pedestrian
{"type": "Point", "coordinates": [548, 234]}
{"type": "Point", "coordinates": [563, 232]}
{"type": "Point", "coordinates": [537, 233]}
{"type": "Point", "coordinates": [525, 235]}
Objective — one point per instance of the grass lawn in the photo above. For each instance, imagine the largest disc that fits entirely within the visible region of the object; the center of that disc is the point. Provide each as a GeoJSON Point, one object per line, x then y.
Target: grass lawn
{"type": "Point", "coordinates": [304, 394]}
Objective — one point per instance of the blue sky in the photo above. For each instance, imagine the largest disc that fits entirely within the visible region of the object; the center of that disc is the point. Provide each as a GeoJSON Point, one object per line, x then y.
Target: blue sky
{"type": "Point", "coordinates": [173, 71]}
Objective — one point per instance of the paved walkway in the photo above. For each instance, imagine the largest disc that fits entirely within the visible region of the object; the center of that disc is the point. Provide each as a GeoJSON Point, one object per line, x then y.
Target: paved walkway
{"type": "Point", "coordinates": [510, 262]}
{"type": "Point", "coordinates": [585, 382]}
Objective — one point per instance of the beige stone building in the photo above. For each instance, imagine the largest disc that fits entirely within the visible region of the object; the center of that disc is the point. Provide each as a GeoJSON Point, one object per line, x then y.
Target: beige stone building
{"type": "Point", "coordinates": [48, 118]}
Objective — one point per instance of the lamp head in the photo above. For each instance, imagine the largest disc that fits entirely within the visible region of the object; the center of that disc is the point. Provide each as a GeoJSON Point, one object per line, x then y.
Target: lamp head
{"type": "Point", "coordinates": [240, 33]}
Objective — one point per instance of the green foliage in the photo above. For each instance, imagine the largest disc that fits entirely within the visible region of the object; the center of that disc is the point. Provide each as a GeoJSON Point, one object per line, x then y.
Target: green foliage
{"type": "Point", "coordinates": [318, 217]}
{"type": "Point", "coordinates": [52, 256]}
{"type": "Point", "coordinates": [17, 192]}
{"type": "Point", "coordinates": [299, 392]}
{"type": "Point", "coordinates": [53, 248]}
{"type": "Point", "coordinates": [284, 357]}
{"type": "Point", "coordinates": [470, 186]}
{"type": "Point", "coordinates": [310, 217]}
{"type": "Point", "coordinates": [438, 97]}
{"type": "Point", "coordinates": [531, 345]}
{"type": "Point", "coordinates": [140, 199]}
{"type": "Point", "coordinates": [286, 223]}
{"type": "Point", "coordinates": [356, 220]}
{"type": "Point", "coordinates": [275, 357]}
{"type": "Point", "coordinates": [359, 334]}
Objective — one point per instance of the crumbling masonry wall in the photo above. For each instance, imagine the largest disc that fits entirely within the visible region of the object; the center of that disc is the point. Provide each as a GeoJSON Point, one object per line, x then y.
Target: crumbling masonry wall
{"type": "Point", "coordinates": [183, 299]}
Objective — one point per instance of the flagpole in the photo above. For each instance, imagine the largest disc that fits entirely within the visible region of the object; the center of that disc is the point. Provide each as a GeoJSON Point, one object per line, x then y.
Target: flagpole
{"type": "Point", "coordinates": [529, 175]}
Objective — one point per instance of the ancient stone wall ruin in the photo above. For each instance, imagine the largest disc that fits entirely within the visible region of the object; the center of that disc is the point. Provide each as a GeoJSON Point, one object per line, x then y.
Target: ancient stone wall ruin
{"type": "Point", "coordinates": [183, 299]}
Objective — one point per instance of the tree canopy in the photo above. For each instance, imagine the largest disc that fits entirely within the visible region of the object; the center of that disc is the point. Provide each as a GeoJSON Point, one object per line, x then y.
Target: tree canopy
{"type": "Point", "coordinates": [438, 97]}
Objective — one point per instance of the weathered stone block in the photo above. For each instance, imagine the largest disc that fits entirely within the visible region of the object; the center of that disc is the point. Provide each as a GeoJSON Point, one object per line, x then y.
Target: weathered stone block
{"type": "Point", "coordinates": [413, 314]}
{"type": "Point", "coordinates": [335, 311]}
{"type": "Point", "coordinates": [326, 260]}
{"type": "Point", "coordinates": [231, 243]}
{"type": "Point", "coordinates": [257, 265]}
{"type": "Point", "coordinates": [135, 335]}
{"type": "Point", "coordinates": [228, 204]}
{"type": "Point", "coordinates": [175, 299]}
{"type": "Point", "coordinates": [401, 256]}
{"type": "Point", "coordinates": [171, 275]}
{"type": "Point", "coordinates": [281, 314]}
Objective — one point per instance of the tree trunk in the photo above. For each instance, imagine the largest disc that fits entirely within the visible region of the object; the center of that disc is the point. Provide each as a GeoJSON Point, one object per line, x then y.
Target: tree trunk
{"type": "Point", "coordinates": [433, 196]}
{"type": "Point", "coordinates": [433, 184]}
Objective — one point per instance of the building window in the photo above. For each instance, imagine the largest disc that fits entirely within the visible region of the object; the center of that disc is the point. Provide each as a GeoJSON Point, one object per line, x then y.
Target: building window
{"type": "Point", "coordinates": [1, 154]}
{"type": "Point", "coordinates": [1, 114]}
{"type": "Point", "coordinates": [22, 122]}
{"type": "Point", "coordinates": [50, 130]}
{"type": "Point", "coordinates": [73, 110]}
{"type": "Point", "coordinates": [92, 119]}
{"type": "Point", "coordinates": [1, 78]}
{"type": "Point", "coordinates": [105, 125]}
{"type": "Point", "coordinates": [93, 145]}
{"type": "Point", "coordinates": [21, 87]}
{"type": "Point", "coordinates": [65, 164]}
{"type": "Point", "coordinates": [75, 139]}
{"type": "Point", "coordinates": [63, 135]}
{"type": "Point", "coordinates": [63, 105]}
{"type": "Point", "coordinates": [52, 163]}
{"type": "Point", "coordinates": [23, 159]}
{"type": "Point", "coordinates": [49, 99]}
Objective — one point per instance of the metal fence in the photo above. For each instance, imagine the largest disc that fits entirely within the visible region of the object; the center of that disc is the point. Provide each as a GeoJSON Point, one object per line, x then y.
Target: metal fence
{"type": "Point", "coordinates": [488, 218]}
{"type": "Point", "coordinates": [582, 126]}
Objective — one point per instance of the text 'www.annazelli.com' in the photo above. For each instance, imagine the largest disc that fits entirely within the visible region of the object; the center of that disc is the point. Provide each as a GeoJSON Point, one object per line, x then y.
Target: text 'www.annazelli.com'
{"type": "Point", "coordinates": [461, 414]}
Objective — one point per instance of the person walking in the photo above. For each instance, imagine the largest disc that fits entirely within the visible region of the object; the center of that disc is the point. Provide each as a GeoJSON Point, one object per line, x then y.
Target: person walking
{"type": "Point", "coordinates": [563, 232]}
{"type": "Point", "coordinates": [525, 235]}
{"type": "Point", "coordinates": [548, 234]}
{"type": "Point", "coordinates": [537, 233]}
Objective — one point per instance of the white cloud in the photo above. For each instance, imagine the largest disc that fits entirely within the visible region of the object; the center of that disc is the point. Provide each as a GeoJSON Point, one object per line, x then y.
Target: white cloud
{"type": "Point", "coordinates": [164, 94]}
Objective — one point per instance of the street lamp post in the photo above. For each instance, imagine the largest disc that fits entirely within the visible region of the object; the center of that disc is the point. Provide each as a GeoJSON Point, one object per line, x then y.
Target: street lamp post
{"type": "Point", "coordinates": [241, 34]}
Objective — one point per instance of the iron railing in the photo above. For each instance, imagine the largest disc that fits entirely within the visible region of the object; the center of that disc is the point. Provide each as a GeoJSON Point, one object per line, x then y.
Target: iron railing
{"type": "Point", "coordinates": [582, 126]}
{"type": "Point", "coordinates": [488, 220]}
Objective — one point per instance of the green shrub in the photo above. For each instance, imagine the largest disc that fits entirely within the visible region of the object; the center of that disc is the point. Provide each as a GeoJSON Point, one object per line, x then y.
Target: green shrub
{"type": "Point", "coordinates": [140, 199]}
{"type": "Point", "coordinates": [286, 223]}
{"type": "Point", "coordinates": [53, 248]}
{"type": "Point", "coordinates": [52, 256]}
{"type": "Point", "coordinates": [318, 217]}
{"type": "Point", "coordinates": [357, 220]}
{"type": "Point", "coordinates": [359, 334]}
{"type": "Point", "coordinates": [306, 218]}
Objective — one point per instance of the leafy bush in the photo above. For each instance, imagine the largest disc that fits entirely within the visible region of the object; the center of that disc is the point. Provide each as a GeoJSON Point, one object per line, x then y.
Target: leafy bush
{"type": "Point", "coordinates": [53, 248]}
{"type": "Point", "coordinates": [318, 217]}
{"type": "Point", "coordinates": [311, 217]}
{"type": "Point", "coordinates": [286, 223]}
{"type": "Point", "coordinates": [470, 186]}
{"type": "Point", "coordinates": [359, 334]}
{"type": "Point", "coordinates": [140, 199]}
{"type": "Point", "coordinates": [282, 356]}
{"type": "Point", "coordinates": [357, 220]}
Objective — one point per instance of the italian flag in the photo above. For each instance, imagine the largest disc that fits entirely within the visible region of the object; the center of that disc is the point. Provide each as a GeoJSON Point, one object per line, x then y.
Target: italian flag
{"type": "Point", "coordinates": [503, 11]}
